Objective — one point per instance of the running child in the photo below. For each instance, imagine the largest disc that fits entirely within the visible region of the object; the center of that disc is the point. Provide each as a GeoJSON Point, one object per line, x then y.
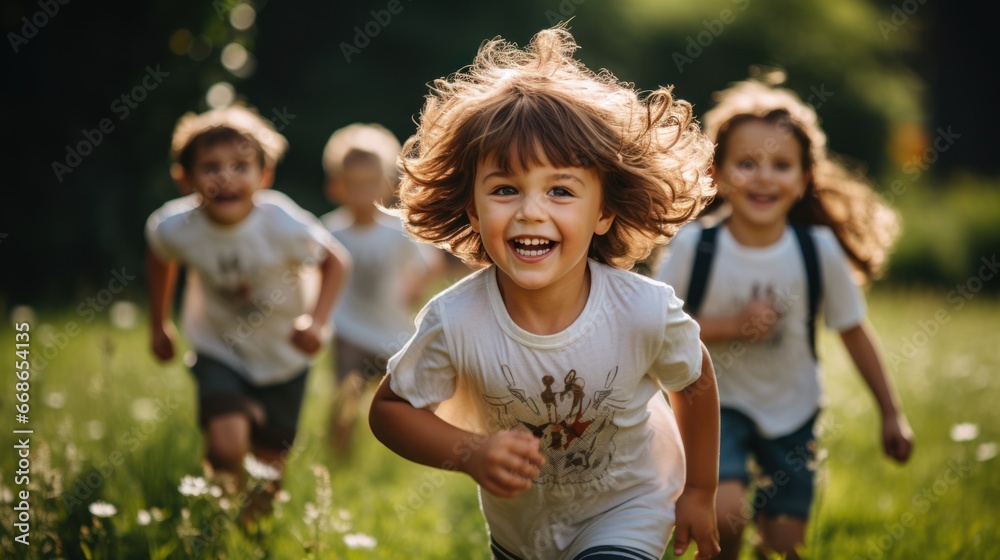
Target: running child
{"type": "Point", "coordinates": [248, 313]}
{"type": "Point", "coordinates": [801, 227]}
{"type": "Point", "coordinates": [540, 376]}
{"type": "Point", "coordinates": [389, 273]}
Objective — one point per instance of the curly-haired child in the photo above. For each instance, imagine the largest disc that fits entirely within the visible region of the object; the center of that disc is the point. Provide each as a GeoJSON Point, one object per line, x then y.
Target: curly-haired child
{"type": "Point", "coordinates": [799, 222]}
{"type": "Point", "coordinates": [540, 375]}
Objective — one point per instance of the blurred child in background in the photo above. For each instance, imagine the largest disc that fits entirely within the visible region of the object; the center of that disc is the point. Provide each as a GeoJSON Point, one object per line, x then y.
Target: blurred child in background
{"type": "Point", "coordinates": [389, 274]}
{"type": "Point", "coordinates": [801, 225]}
{"type": "Point", "coordinates": [249, 315]}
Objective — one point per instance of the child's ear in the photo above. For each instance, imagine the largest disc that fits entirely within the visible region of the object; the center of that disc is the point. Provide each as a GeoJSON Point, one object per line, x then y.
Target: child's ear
{"type": "Point", "coordinates": [332, 190]}
{"type": "Point", "coordinates": [604, 222]}
{"type": "Point", "coordinates": [181, 178]}
{"type": "Point", "coordinates": [473, 217]}
{"type": "Point", "coordinates": [266, 177]}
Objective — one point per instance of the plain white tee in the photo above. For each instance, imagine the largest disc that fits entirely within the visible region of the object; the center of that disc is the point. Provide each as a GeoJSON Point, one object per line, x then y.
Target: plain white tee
{"type": "Point", "coordinates": [774, 381]}
{"type": "Point", "coordinates": [246, 283]}
{"type": "Point", "coordinates": [592, 394]}
{"type": "Point", "coordinates": [373, 312]}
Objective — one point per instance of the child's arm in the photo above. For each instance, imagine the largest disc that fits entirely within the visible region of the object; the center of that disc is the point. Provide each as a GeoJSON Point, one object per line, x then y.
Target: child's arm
{"type": "Point", "coordinates": [162, 278]}
{"type": "Point", "coordinates": [503, 463]}
{"type": "Point", "coordinates": [752, 323]}
{"type": "Point", "coordinates": [897, 437]}
{"type": "Point", "coordinates": [333, 275]}
{"type": "Point", "coordinates": [697, 412]}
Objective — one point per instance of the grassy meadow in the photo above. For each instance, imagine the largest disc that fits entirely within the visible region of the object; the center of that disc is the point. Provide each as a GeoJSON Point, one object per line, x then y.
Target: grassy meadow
{"type": "Point", "coordinates": [115, 435]}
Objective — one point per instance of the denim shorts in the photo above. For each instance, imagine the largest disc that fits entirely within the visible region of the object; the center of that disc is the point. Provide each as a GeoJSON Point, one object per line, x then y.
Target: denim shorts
{"type": "Point", "coordinates": [223, 390]}
{"type": "Point", "coordinates": [787, 464]}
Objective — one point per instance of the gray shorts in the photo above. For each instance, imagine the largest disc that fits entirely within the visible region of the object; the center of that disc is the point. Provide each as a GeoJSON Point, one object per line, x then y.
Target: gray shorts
{"type": "Point", "coordinates": [349, 357]}
{"type": "Point", "coordinates": [223, 390]}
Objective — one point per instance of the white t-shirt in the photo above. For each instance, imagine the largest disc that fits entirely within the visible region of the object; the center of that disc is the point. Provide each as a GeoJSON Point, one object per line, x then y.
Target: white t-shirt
{"type": "Point", "coordinates": [592, 393]}
{"type": "Point", "coordinates": [246, 283]}
{"type": "Point", "coordinates": [774, 381]}
{"type": "Point", "coordinates": [374, 313]}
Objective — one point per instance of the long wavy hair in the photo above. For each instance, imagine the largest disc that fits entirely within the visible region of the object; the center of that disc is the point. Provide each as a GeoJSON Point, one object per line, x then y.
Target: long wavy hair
{"type": "Point", "coordinates": [517, 106]}
{"type": "Point", "coordinates": [837, 195]}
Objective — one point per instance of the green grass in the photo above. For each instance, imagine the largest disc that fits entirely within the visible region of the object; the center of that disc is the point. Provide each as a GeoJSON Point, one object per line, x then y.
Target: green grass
{"type": "Point", "coordinates": [97, 436]}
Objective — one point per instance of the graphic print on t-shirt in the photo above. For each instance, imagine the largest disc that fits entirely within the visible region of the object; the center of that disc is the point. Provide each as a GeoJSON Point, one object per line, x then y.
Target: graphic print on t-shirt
{"type": "Point", "coordinates": [576, 430]}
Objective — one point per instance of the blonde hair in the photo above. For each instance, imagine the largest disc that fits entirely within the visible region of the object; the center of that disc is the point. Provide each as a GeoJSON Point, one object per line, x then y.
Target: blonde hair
{"type": "Point", "coordinates": [836, 196]}
{"type": "Point", "coordinates": [373, 140]}
{"type": "Point", "coordinates": [511, 104]}
{"type": "Point", "coordinates": [242, 120]}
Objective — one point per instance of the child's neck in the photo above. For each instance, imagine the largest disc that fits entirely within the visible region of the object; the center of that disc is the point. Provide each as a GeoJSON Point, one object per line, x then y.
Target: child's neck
{"type": "Point", "coordinates": [363, 217]}
{"type": "Point", "coordinates": [756, 235]}
{"type": "Point", "coordinates": [548, 310]}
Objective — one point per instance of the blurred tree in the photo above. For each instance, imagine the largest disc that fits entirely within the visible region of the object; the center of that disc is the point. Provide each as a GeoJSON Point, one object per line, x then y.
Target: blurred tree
{"type": "Point", "coordinates": [318, 67]}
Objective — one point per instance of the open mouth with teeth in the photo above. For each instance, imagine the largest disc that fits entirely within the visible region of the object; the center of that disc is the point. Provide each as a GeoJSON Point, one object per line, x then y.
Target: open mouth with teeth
{"type": "Point", "coordinates": [532, 246]}
{"type": "Point", "coordinates": [224, 198]}
{"type": "Point", "coordinates": [762, 198]}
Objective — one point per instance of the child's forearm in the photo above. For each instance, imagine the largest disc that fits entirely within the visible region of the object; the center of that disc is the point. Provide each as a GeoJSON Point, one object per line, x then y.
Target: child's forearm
{"type": "Point", "coordinates": [162, 280]}
{"type": "Point", "coordinates": [719, 329]}
{"type": "Point", "coordinates": [418, 434]}
{"type": "Point", "coordinates": [867, 358]}
{"type": "Point", "coordinates": [697, 412]}
{"type": "Point", "coordinates": [333, 271]}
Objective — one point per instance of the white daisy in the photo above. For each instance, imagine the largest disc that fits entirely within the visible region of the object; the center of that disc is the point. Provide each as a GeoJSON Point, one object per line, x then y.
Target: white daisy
{"type": "Point", "coordinates": [360, 540]}
{"type": "Point", "coordinates": [102, 509]}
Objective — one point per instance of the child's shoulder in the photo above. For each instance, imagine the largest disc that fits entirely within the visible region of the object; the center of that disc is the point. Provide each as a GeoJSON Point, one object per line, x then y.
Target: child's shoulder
{"type": "Point", "coordinates": [631, 292]}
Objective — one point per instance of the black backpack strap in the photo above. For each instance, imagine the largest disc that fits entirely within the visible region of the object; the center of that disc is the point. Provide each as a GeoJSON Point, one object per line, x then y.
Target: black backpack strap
{"type": "Point", "coordinates": [700, 270]}
{"type": "Point", "coordinates": [814, 281]}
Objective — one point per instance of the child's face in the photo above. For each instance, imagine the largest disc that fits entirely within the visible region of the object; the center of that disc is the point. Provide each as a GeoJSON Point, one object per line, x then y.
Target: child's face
{"type": "Point", "coordinates": [226, 175]}
{"type": "Point", "coordinates": [537, 224]}
{"type": "Point", "coordinates": [761, 175]}
{"type": "Point", "coordinates": [360, 186]}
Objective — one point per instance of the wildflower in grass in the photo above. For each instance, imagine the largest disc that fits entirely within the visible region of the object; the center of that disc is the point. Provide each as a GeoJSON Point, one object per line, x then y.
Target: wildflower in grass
{"type": "Point", "coordinates": [259, 470]}
{"type": "Point", "coordinates": [360, 541]}
{"type": "Point", "coordinates": [102, 509]}
{"type": "Point", "coordinates": [157, 514]}
{"type": "Point", "coordinates": [6, 496]}
{"type": "Point", "coordinates": [966, 431]}
{"type": "Point", "coordinates": [215, 491]}
{"type": "Point", "coordinates": [95, 429]}
{"type": "Point", "coordinates": [55, 400]}
{"type": "Point", "coordinates": [143, 517]}
{"type": "Point", "coordinates": [282, 496]}
{"type": "Point", "coordinates": [986, 451]}
{"type": "Point", "coordinates": [143, 409]}
{"type": "Point", "coordinates": [123, 314]}
{"type": "Point", "coordinates": [193, 486]}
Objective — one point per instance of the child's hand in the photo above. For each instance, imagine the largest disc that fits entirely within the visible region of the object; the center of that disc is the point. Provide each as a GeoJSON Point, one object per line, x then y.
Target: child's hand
{"type": "Point", "coordinates": [757, 319]}
{"type": "Point", "coordinates": [696, 519]}
{"type": "Point", "coordinates": [308, 335]}
{"type": "Point", "coordinates": [897, 437]}
{"type": "Point", "coordinates": [506, 463]}
{"type": "Point", "coordinates": [163, 341]}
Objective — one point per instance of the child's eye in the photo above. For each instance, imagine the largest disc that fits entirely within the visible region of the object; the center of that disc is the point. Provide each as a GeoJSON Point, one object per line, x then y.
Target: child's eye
{"type": "Point", "coordinates": [505, 190]}
{"type": "Point", "coordinates": [559, 192]}
{"type": "Point", "coordinates": [746, 164]}
{"type": "Point", "coordinates": [239, 167]}
{"type": "Point", "coordinates": [782, 165]}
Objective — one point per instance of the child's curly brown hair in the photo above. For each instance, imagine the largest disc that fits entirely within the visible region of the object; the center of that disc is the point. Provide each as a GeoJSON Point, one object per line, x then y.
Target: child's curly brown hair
{"type": "Point", "coordinates": [836, 196]}
{"type": "Point", "coordinates": [516, 106]}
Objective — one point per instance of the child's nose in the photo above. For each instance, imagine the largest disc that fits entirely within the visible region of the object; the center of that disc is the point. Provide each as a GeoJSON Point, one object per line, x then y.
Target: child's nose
{"type": "Point", "coordinates": [531, 209]}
